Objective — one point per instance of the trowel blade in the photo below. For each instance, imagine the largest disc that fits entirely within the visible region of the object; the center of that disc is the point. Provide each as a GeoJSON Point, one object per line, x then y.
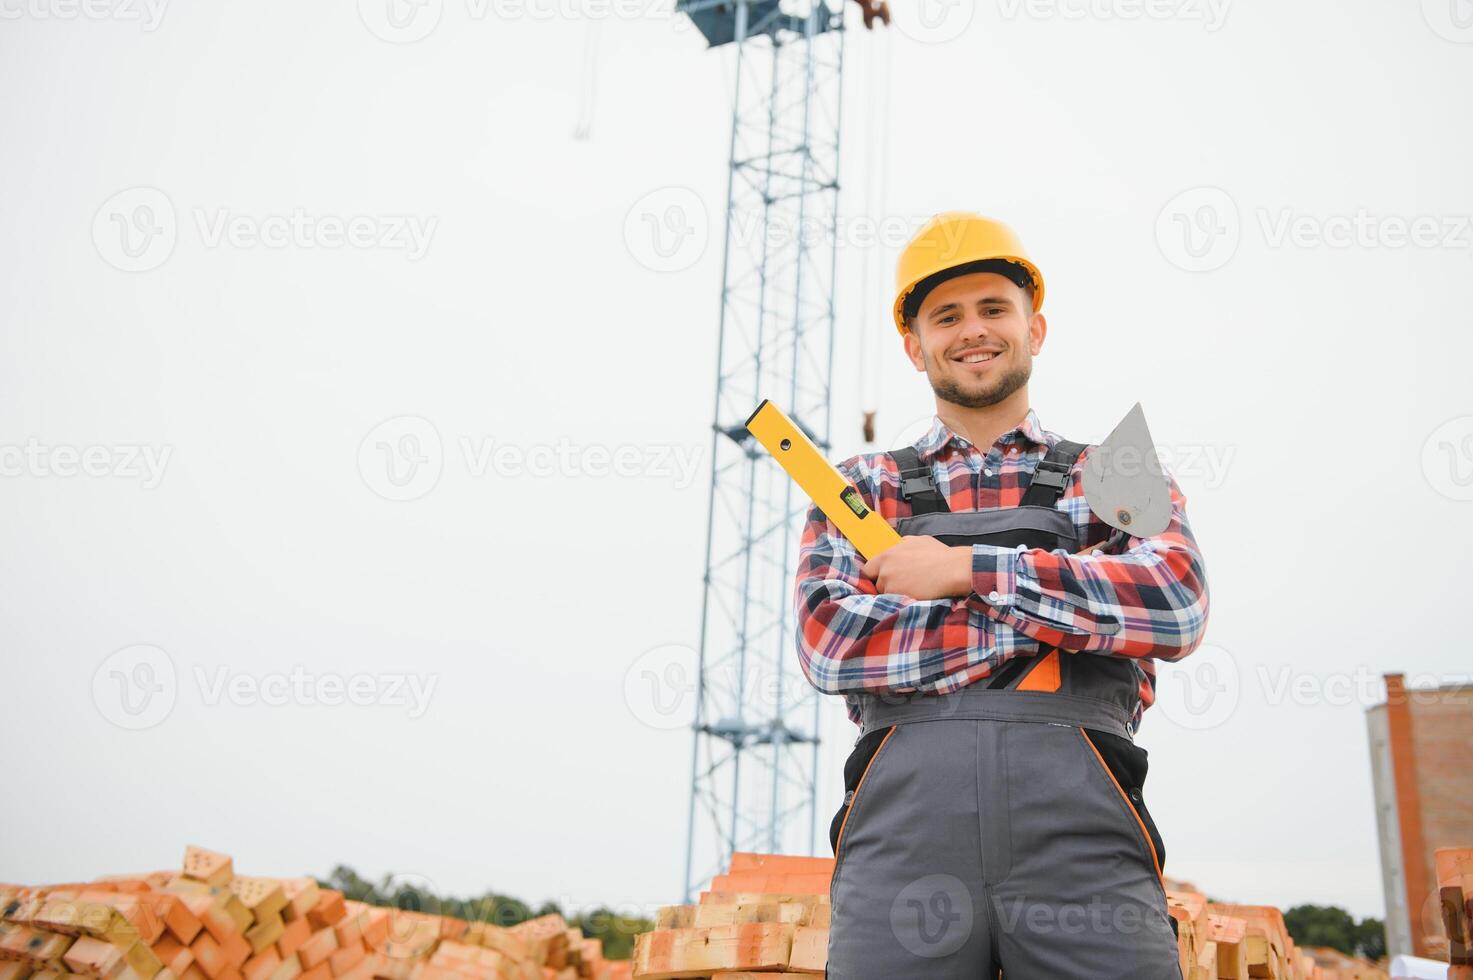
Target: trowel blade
{"type": "Point", "coordinates": [1123, 481]}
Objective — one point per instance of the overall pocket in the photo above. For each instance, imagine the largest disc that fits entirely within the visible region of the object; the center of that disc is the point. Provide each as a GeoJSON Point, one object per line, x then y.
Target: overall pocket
{"type": "Point", "coordinates": [856, 767]}
{"type": "Point", "coordinates": [1126, 764]}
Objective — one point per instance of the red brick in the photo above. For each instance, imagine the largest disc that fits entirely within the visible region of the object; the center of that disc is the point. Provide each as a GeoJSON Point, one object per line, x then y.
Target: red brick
{"type": "Point", "coordinates": [293, 937]}
{"type": "Point", "coordinates": [208, 955]}
{"type": "Point", "coordinates": [328, 910]}
{"type": "Point", "coordinates": [318, 947]}
{"type": "Point", "coordinates": [345, 958]}
{"type": "Point", "coordinates": [262, 965]}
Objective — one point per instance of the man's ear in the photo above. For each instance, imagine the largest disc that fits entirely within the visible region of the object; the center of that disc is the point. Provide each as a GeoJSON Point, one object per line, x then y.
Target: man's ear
{"type": "Point", "coordinates": [1037, 331]}
{"type": "Point", "coordinates": [913, 348]}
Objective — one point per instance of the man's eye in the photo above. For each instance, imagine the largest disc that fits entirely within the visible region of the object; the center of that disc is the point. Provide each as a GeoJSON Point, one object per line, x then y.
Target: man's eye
{"type": "Point", "coordinates": [994, 309]}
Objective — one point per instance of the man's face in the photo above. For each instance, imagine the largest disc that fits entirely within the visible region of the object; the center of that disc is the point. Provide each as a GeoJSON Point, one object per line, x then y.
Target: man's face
{"type": "Point", "coordinates": [975, 337]}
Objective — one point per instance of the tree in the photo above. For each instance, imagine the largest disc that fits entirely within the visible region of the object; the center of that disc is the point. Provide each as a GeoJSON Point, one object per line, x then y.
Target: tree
{"type": "Point", "coordinates": [402, 892]}
{"type": "Point", "coordinates": [1330, 925]}
{"type": "Point", "coordinates": [1370, 938]}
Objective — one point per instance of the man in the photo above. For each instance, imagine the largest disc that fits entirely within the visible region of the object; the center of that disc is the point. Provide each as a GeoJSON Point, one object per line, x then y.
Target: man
{"type": "Point", "coordinates": [998, 661]}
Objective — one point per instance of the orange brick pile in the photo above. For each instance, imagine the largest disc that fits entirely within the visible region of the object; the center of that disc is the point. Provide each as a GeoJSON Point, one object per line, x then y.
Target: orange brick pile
{"type": "Point", "coordinates": [1455, 895]}
{"type": "Point", "coordinates": [205, 923]}
{"type": "Point", "coordinates": [770, 915]}
{"type": "Point", "coordinates": [1236, 942]}
{"type": "Point", "coordinates": [1335, 964]}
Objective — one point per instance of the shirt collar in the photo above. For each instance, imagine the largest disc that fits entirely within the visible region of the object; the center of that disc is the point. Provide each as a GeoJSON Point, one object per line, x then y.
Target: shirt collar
{"type": "Point", "coordinates": [1028, 431]}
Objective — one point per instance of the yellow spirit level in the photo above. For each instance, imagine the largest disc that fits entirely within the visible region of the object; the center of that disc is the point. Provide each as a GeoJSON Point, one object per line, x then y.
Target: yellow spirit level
{"type": "Point", "coordinates": [821, 480]}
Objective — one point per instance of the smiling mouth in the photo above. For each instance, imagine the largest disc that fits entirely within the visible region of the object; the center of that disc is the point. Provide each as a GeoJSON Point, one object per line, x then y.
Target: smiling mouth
{"type": "Point", "coordinates": [975, 357]}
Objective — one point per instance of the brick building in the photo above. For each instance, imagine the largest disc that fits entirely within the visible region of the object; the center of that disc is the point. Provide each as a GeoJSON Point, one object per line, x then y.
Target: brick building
{"type": "Point", "coordinates": [1422, 772]}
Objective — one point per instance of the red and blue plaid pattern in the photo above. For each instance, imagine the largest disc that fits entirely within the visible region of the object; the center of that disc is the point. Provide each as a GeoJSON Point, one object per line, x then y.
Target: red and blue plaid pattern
{"type": "Point", "coordinates": [1141, 598]}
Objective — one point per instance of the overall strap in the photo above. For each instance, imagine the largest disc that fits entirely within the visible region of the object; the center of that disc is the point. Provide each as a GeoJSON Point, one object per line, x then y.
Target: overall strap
{"type": "Point", "coordinates": [1044, 490]}
{"type": "Point", "coordinates": [1052, 475]}
{"type": "Point", "coordinates": [917, 485]}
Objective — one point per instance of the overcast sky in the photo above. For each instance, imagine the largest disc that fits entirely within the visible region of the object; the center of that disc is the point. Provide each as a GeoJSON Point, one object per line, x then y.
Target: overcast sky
{"type": "Point", "coordinates": [255, 253]}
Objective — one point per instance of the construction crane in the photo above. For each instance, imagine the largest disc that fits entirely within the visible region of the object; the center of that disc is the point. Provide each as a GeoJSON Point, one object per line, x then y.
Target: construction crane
{"type": "Point", "coordinates": [755, 757]}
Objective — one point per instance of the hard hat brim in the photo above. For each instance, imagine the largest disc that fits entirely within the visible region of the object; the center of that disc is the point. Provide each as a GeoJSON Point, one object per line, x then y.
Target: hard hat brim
{"type": "Point", "coordinates": [931, 280]}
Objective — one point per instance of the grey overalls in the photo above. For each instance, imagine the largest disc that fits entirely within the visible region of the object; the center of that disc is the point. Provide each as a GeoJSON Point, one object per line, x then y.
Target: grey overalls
{"type": "Point", "coordinates": [1001, 826]}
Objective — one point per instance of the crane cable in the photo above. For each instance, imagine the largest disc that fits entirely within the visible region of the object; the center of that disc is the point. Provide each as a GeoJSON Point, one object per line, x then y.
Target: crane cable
{"type": "Point", "coordinates": [871, 376]}
{"type": "Point", "coordinates": [589, 83]}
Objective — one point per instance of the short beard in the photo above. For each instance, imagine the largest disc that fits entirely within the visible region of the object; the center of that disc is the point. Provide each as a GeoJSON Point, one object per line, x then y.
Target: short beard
{"type": "Point", "coordinates": [949, 391]}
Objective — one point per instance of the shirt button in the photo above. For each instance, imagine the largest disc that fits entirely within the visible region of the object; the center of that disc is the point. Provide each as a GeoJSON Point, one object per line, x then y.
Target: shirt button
{"type": "Point", "coordinates": [993, 597]}
{"type": "Point", "coordinates": [986, 472]}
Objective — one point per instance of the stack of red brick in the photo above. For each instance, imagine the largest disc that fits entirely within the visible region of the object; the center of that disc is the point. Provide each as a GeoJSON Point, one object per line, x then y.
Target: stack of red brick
{"type": "Point", "coordinates": [1336, 965]}
{"type": "Point", "coordinates": [770, 915]}
{"type": "Point", "coordinates": [1235, 942]}
{"type": "Point", "coordinates": [1455, 894]}
{"type": "Point", "coordinates": [205, 923]}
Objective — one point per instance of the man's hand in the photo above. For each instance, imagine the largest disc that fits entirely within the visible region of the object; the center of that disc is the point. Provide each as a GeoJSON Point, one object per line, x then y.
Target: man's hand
{"type": "Point", "coordinates": [922, 567]}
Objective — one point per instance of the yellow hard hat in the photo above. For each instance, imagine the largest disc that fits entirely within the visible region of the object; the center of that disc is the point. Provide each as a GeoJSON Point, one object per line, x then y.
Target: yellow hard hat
{"type": "Point", "coordinates": [959, 238]}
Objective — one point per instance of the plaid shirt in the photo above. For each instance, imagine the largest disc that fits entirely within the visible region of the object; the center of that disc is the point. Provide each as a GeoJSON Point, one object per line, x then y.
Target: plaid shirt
{"type": "Point", "coordinates": [1141, 598]}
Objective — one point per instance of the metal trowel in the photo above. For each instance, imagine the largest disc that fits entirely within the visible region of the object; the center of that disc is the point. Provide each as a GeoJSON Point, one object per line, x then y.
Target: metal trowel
{"type": "Point", "coordinates": [1123, 481]}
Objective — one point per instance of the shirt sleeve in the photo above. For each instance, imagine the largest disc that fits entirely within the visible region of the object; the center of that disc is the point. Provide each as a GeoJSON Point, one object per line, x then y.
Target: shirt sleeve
{"type": "Point", "coordinates": [853, 638]}
{"type": "Point", "coordinates": [1147, 599]}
